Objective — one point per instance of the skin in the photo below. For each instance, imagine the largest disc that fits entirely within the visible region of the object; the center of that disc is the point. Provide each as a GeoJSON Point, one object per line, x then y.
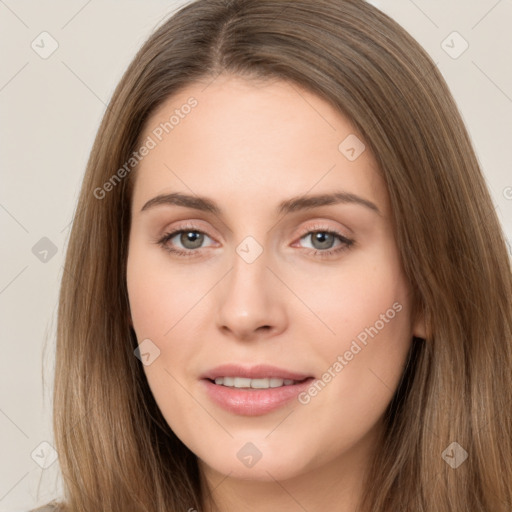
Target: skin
{"type": "Point", "coordinates": [248, 146]}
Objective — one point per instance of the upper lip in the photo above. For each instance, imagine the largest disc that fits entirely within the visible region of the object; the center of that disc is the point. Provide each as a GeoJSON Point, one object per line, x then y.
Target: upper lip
{"type": "Point", "coordinates": [259, 371]}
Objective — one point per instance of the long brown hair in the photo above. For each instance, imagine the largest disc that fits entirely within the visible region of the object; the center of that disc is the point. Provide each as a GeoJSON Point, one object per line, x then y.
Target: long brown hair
{"type": "Point", "coordinates": [116, 451]}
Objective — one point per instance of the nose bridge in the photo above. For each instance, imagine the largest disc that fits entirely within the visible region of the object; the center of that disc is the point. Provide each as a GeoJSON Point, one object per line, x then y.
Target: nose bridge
{"type": "Point", "coordinates": [249, 298]}
{"type": "Point", "coordinates": [248, 280]}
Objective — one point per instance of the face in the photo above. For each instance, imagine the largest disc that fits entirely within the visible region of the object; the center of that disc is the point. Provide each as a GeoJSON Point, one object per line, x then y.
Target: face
{"type": "Point", "coordinates": [265, 285]}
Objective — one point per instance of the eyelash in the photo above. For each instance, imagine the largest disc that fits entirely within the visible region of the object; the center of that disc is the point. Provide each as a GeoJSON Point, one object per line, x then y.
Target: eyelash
{"type": "Point", "coordinates": [346, 243]}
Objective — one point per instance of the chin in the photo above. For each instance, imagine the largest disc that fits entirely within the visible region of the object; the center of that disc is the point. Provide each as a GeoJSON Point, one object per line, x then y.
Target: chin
{"type": "Point", "coordinates": [275, 466]}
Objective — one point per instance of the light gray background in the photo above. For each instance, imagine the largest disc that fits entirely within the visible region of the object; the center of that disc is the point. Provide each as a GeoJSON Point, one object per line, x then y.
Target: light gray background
{"type": "Point", "coordinates": [51, 109]}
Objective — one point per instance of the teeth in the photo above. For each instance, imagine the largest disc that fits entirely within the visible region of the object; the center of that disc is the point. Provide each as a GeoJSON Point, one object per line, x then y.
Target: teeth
{"type": "Point", "coordinates": [243, 382]}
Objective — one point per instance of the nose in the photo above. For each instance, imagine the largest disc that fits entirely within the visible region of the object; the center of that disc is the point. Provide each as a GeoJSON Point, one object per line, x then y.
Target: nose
{"type": "Point", "coordinates": [250, 301]}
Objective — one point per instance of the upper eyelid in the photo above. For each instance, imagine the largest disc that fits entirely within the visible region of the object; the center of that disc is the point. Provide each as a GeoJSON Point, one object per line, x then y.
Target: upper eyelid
{"type": "Point", "coordinates": [307, 231]}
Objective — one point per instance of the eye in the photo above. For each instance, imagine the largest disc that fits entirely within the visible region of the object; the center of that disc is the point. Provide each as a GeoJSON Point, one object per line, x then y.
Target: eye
{"type": "Point", "coordinates": [323, 241]}
{"type": "Point", "coordinates": [190, 239]}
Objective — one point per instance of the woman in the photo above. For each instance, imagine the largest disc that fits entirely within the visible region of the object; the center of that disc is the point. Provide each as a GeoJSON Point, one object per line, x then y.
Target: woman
{"type": "Point", "coordinates": [286, 287]}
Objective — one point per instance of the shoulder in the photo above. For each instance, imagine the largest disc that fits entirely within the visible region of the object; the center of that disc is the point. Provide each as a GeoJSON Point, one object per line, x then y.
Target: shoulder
{"type": "Point", "coordinates": [49, 507]}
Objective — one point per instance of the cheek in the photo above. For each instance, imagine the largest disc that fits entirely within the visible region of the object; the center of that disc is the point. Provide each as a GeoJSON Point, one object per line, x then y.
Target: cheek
{"type": "Point", "coordinates": [158, 297]}
{"type": "Point", "coordinates": [165, 305]}
{"type": "Point", "coordinates": [147, 299]}
{"type": "Point", "coordinates": [160, 302]}
{"type": "Point", "coordinates": [369, 292]}
{"type": "Point", "coordinates": [366, 335]}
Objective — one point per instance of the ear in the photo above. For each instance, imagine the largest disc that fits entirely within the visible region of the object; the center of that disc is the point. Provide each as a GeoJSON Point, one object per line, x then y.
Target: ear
{"type": "Point", "coordinates": [129, 318]}
{"type": "Point", "coordinates": [419, 329]}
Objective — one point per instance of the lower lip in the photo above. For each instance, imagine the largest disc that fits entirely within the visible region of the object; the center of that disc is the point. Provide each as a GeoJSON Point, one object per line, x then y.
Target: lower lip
{"type": "Point", "coordinates": [253, 402]}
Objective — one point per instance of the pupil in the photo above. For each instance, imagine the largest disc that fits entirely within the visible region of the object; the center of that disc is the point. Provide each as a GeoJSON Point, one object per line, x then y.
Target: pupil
{"type": "Point", "coordinates": [192, 236]}
{"type": "Point", "coordinates": [325, 240]}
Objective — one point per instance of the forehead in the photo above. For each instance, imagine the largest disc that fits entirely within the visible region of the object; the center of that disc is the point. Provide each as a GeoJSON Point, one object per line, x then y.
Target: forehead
{"type": "Point", "coordinates": [252, 142]}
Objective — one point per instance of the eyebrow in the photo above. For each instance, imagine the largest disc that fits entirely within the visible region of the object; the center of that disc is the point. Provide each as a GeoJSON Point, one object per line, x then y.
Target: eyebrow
{"type": "Point", "coordinates": [288, 206]}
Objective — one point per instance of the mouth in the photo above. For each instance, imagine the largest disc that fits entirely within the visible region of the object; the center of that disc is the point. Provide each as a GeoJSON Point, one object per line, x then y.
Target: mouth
{"type": "Point", "coordinates": [253, 391]}
{"type": "Point", "coordinates": [254, 373]}
{"type": "Point", "coordinates": [259, 383]}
